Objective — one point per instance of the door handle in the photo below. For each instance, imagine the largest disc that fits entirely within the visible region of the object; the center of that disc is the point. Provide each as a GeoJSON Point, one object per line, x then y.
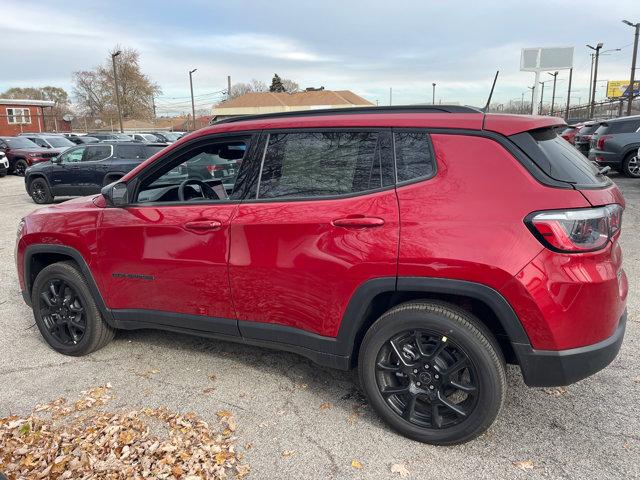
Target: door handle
{"type": "Point", "coordinates": [203, 225]}
{"type": "Point", "coordinates": [358, 222]}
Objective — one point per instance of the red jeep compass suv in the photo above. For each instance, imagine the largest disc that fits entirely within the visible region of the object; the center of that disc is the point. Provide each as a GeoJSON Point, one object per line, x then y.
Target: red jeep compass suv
{"type": "Point", "coordinates": [427, 246]}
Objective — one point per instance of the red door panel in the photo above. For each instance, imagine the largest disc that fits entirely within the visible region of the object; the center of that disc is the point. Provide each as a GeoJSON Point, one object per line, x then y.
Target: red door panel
{"type": "Point", "coordinates": [297, 263]}
{"type": "Point", "coordinates": [169, 258]}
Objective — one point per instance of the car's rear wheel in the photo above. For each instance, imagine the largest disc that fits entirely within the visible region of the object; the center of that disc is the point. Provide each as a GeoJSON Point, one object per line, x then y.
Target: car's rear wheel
{"type": "Point", "coordinates": [20, 167]}
{"type": "Point", "coordinates": [433, 372]}
{"type": "Point", "coordinates": [66, 313]}
{"type": "Point", "coordinates": [631, 165]}
{"type": "Point", "coordinates": [40, 192]}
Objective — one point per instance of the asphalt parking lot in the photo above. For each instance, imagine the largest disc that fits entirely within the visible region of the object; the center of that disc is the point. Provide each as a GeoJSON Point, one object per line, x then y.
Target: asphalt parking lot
{"type": "Point", "coordinates": [300, 421]}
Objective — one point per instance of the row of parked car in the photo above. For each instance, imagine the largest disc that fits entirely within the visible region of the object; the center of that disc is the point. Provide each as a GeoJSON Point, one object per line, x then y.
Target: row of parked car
{"type": "Point", "coordinates": [27, 149]}
{"type": "Point", "coordinates": [54, 165]}
{"type": "Point", "coordinates": [609, 143]}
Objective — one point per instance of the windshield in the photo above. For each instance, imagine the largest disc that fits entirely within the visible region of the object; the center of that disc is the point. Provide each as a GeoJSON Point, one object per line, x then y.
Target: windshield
{"type": "Point", "coordinates": [59, 142]}
{"type": "Point", "coordinates": [171, 136]}
{"type": "Point", "coordinates": [19, 142]}
{"type": "Point", "coordinates": [122, 136]}
{"type": "Point", "coordinates": [149, 138]}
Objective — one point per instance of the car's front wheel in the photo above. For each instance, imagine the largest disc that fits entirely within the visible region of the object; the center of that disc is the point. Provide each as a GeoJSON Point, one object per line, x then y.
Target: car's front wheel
{"type": "Point", "coordinates": [631, 165]}
{"type": "Point", "coordinates": [40, 192]}
{"type": "Point", "coordinates": [433, 372]}
{"type": "Point", "coordinates": [20, 167]}
{"type": "Point", "coordinates": [66, 313]}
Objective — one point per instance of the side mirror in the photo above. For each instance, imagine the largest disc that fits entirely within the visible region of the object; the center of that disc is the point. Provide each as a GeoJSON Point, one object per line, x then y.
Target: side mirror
{"type": "Point", "coordinates": [116, 194]}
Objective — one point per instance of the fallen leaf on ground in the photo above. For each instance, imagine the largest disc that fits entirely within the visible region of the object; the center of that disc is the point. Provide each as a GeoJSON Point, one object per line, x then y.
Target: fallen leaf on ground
{"type": "Point", "coordinates": [524, 464]}
{"type": "Point", "coordinates": [356, 464]}
{"type": "Point", "coordinates": [55, 441]}
{"type": "Point", "coordinates": [556, 391]}
{"type": "Point", "coordinates": [400, 470]}
{"type": "Point", "coordinates": [288, 453]}
{"type": "Point", "coordinates": [325, 406]}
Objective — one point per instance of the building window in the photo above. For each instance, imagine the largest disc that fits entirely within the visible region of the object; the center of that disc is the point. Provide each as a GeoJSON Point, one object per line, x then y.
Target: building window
{"type": "Point", "coordinates": [18, 116]}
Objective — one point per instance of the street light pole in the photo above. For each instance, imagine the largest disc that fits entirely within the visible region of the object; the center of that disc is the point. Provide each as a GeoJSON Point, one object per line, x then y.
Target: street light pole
{"type": "Point", "coordinates": [115, 84]}
{"type": "Point", "coordinates": [633, 63]}
{"type": "Point", "coordinates": [533, 91]}
{"type": "Point", "coordinates": [193, 105]}
{"type": "Point", "coordinates": [541, 96]}
{"type": "Point", "coordinates": [553, 95]}
{"type": "Point", "coordinates": [595, 77]}
{"type": "Point", "coordinates": [566, 115]}
{"type": "Point", "coordinates": [433, 98]}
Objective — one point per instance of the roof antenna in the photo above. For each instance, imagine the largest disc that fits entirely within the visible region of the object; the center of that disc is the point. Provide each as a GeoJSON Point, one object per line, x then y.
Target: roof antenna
{"type": "Point", "coordinates": [486, 107]}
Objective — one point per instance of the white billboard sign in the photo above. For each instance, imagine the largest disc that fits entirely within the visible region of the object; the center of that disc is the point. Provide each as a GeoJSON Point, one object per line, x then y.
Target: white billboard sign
{"type": "Point", "coordinates": [543, 59]}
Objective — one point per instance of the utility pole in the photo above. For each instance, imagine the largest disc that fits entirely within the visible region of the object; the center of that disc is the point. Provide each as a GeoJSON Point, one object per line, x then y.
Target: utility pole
{"type": "Point", "coordinates": [115, 84]}
{"type": "Point", "coordinates": [390, 96]}
{"type": "Point", "coordinates": [153, 104]}
{"type": "Point", "coordinates": [228, 87]}
{"type": "Point", "coordinates": [566, 115]}
{"type": "Point", "coordinates": [553, 95]}
{"type": "Point", "coordinates": [193, 105]}
{"type": "Point", "coordinates": [597, 49]}
{"type": "Point", "coordinates": [541, 96]}
{"type": "Point", "coordinates": [590, 77]}
{"type": "Point", "coordinates": [522, 103]}
{"type": "Point", "coordinates": [633, 63]}
{"type": "Point", "coordinates": [533, 91]}
{"type": "Point", "coordinates": [433, 97]}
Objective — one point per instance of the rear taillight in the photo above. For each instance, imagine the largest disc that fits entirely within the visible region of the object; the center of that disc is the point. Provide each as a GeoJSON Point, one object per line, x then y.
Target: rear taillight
{"type": "Point", "coordinates": [575, 231]}
{"type": "Point", "coordinates": [601, 140]}
{"type": "Point", "coordinates": [215, 168]}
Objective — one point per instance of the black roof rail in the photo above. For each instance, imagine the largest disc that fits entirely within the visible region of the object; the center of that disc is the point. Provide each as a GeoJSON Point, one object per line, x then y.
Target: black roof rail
{"type": "Point", "coordinates": [351, 110]}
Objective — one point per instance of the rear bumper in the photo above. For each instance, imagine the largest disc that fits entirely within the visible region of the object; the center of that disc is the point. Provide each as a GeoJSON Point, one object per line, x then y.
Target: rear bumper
{"type": "Point", "coordinates": [605, 158]}
{"type": "Point", "coordinates": [550, 368]}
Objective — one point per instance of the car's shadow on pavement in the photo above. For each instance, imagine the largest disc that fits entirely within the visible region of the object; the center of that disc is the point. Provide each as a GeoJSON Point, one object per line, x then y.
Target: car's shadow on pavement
{"type": "Point", "coordinates": [295, 371]}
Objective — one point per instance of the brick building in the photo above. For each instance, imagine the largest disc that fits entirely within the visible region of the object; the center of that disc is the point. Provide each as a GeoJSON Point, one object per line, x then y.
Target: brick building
{"type": "Point", "coordinates": [17, 116]}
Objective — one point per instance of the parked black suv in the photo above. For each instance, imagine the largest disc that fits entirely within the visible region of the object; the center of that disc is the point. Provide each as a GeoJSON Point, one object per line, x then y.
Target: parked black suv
{"type": "Point", "coordinates": [85, 169]}
{"type": "Point", "coordinates": [615, 144]}
{"type": "Point", "coordinates": [583, 137]}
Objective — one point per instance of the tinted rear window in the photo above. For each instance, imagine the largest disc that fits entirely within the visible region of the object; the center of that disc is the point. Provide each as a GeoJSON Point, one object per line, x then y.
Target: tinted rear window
{"type": "Point", "coordinates": [588, 129]}
{"type": "Point", "coordinates": [151, 150]}
{"type": "Point", "coordinates": [559, 159]}
{"type": "Point", "coordinates": [629, 126]}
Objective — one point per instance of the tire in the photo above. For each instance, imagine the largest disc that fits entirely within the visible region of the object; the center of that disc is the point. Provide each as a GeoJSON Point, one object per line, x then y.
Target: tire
{"type": "Point", "coordinates": [461, 338]}
{"type": "Point", "coordinates": [40, 192]}
{"type": "Point", "coordinates": [631, 165]}
{"type": "Point", "coordinates": [62, 334]}
{"type": "Point", "coordinates": [19, 167]}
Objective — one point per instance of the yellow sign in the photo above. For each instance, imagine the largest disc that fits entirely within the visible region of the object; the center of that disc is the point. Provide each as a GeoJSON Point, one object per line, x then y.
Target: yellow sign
{"type": "Point", "coordinates": [618, 88]}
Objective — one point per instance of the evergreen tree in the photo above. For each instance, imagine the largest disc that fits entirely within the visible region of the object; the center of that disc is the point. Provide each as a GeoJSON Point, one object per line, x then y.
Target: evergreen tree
{"type": "Point", "coordinates": [276, 84]}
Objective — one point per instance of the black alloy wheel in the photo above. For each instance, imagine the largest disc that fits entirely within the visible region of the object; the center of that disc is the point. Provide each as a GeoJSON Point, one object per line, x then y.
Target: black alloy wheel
{"type": "Point", "coordinates": [66, 312]}
{"type": "Point", "coordinates": [427, 379]}
{"type": "Point", "coordinates": [62, 311]}
{"type": "Point", "coordinates": [20, 167]}
{"type": "Point", "coordinates": [433, 372]}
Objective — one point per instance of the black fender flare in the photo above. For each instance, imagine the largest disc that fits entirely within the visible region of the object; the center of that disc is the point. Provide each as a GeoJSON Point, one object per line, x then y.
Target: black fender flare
{"type": "Point", "coordinates": [355, 313]}
{"type": "Point", "coordinates": [31, 250]}
{"type": "Point", "coordinates": [32, 176]}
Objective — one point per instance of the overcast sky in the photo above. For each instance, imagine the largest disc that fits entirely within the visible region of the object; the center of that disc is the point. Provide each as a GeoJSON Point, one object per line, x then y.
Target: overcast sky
{"type": "Point", "coordinates": [363, 46]}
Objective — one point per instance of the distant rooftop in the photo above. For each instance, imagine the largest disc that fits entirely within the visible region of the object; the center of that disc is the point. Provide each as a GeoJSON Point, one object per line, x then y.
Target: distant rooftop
{"type": "Point", "coordinates": [270, 102]}
{"type": "Point", "coordinates": [22, 101]}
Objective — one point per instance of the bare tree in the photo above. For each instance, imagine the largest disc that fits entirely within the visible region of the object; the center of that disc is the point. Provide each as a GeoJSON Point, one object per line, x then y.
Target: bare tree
{"type": "Point", "coordinates": [95, 94]}
{"type": "Point", "coordinates": [290, 86]}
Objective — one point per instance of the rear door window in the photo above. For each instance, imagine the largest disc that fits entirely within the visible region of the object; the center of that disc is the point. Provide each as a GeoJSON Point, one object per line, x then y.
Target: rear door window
{"type": "Point", "coordinates": [95, 153]}
{"type": "Point", "coordinates": [321, 164]}
{"type": "Point", "coordinates": [129, 151]}
{"type": "Point", "coordinates": [559, 159]}
{"type": "Point", "coordinates": [627, 126]}
{"type": "Point", "coordinates": [414, 156]}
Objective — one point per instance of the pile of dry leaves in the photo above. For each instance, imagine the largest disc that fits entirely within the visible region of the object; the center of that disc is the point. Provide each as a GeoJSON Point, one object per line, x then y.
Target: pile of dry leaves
{"type": "Point", "coordinates": [77, 441]}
